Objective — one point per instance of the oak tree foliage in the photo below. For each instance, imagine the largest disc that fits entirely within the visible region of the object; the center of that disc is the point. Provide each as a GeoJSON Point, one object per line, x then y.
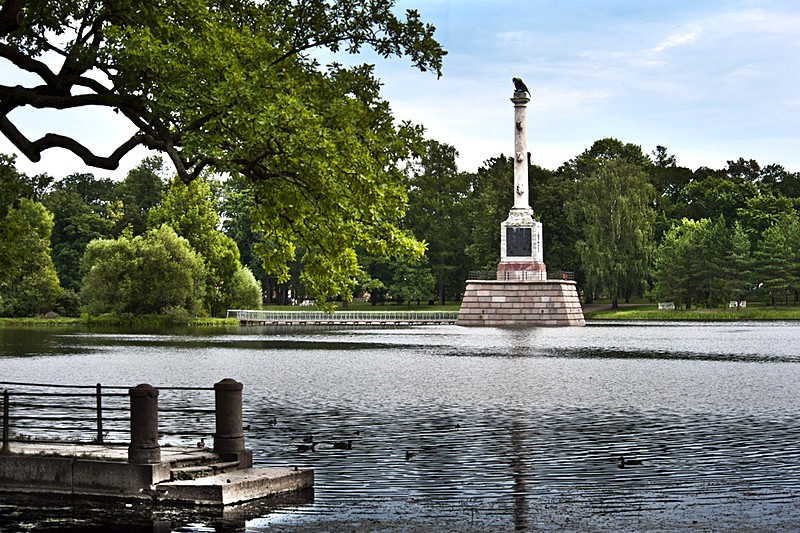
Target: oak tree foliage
{"type": "Point", "coordinates": [233, 87]}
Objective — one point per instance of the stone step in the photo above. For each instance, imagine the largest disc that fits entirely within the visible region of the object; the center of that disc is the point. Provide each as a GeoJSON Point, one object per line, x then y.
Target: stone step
{"type": "Point", "coordinates": [202, 470]}
{"type": "Point", "coordinates": [235, 486]}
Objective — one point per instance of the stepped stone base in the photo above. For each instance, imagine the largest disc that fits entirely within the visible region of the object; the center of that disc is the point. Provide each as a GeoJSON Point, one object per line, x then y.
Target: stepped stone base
{"type": "Point", "coordinates": [236, 486]}
{"type": "Point", "coordinates": [520, 303]}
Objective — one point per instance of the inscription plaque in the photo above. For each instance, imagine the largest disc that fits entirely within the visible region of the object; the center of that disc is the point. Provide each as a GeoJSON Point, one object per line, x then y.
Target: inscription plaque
{"type": "Point", "coordinates": [518, 242]}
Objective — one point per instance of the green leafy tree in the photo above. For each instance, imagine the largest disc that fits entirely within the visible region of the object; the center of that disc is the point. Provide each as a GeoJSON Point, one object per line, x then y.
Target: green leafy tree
{"type": "Point", "coordinates": [775, 265]}
{"type": "Point", "coordinates": [676, 274]}
{"type": "Point", "coordinates": [13, 185]}
{"type": "Point", "coordinates": [109, 276]}
{"type": "Point", "coordinates": [234, 88]}
{"type": "Point", "coordinates": [437, 212]}
{"type": "Point", "coordinates": [487, 207]}
{"type": "Point", "coordinates": [28, 283]}
{"type": "Point", "coordinates": [190, 209]}
{"type": "Point", "coordinates": [615, 207]}
{"type": "Point", "coordinates": [81, 207]}
{"type": "Point", "coordinates": [705, 261]}
{"type": "Point", "coordinates": [551, 192]}
{"type": "Point", "coordinates": [575, 171]}
{"type": "Point", "coordinates": [12, 189]}
{"type": "Point", "coordinates": [376, 289]}
{"type": "Point", "coordinates": [764, 210]}
{"type": "Point", "coordinates": [789, 184]}
{"type": "Point", "coordinates": [411, 281]}
{"type": "Point", "coordinates": [139, 192]}
{"type": "Point", "coordinates": [602, 151]}
{"type": "Point", "coordinates": [712, 193]}
{"type": "Point", "coordinates": [737, 271]}
{"type": "Point", "coordinates": [245, 291]}
{"type": "Point", "coordinates": [668, 179]}
{"type": "Point", "coordinates": [374, 278]}
{"type": "Point", "coordinates": [236, 208]}
{"type": "Point", "coordinates": [723, 261]}
{"type": "Point", "coordinates": [146, 274]}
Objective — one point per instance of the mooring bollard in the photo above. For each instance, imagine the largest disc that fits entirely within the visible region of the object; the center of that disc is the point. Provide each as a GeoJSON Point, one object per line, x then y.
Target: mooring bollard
{"type": "Point", "coordinates": [144, 448]}
{"type": "Point", "coordinates": [229, 438]}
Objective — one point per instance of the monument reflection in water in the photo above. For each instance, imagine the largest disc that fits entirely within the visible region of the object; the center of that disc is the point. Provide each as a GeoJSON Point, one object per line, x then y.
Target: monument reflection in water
{"type": "Point", "coordinates": [481, 428]}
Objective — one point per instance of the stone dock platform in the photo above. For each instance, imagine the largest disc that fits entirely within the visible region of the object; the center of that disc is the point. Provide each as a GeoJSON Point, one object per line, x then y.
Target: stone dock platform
{"type": "Point", "coordinates": [182, 476]}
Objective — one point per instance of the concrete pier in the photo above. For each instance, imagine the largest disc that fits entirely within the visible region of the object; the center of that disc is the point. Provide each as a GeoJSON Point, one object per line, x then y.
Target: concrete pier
{"type": "Point", "coordinates": [101, 470]}
{"type": "Point", "coordinates": [143, 469]}
{"type": "Point", "coordinates": [235, 487]}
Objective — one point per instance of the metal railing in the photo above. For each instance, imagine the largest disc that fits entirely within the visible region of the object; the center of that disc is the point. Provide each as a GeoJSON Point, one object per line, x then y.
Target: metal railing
{"type": "Point", "coordinates": [345, 317]}
{"type": "Point", "coordinates": [520, 275]}
{"type": "Point", "coordinates": [93, 413]}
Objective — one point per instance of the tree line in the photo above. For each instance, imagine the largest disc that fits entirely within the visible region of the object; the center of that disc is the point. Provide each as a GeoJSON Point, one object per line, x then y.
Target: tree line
{"type": "Point", "coordinates": [628, 224]}
{"type": "Point", "coordinates": [144, 245]}
{"type": "Point", "coordinates": [328, 194]}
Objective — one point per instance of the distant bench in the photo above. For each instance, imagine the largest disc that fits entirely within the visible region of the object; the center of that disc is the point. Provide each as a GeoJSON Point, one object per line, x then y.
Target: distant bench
{"type": "Point", "coordinates": [666, 305]}
{"type": "Point", "coordinates": [734, 304]}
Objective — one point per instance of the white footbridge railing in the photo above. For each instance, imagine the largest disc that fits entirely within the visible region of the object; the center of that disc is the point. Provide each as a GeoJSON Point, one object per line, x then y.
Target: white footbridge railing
{"type": "Point", "coordinates": [343, 317]}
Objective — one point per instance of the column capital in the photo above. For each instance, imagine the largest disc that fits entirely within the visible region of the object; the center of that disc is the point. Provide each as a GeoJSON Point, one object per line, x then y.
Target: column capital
{"type": "Point", "coordinates": [520, 99]}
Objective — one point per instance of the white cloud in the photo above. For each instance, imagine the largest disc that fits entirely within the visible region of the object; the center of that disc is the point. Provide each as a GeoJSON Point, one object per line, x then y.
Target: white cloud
{"type": "Point", "coordinates": [677, 39]}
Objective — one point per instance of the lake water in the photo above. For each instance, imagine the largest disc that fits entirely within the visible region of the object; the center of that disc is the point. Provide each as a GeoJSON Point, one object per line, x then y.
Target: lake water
{"type": "Point", "coordinates": [469, 428]}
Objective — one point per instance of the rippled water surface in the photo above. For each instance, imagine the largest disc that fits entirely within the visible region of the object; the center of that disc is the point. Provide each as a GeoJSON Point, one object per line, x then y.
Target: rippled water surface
{"type": "Point", "coordinates": [501, 429]}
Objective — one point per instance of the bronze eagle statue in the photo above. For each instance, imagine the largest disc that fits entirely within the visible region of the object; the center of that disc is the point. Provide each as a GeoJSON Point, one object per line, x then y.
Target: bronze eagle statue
{"type": "Point", "coordinates": [519, 86]}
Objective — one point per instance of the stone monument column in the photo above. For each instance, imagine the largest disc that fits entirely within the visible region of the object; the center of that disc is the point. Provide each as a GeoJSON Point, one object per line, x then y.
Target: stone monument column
{"type": "Point", "coordinates": [521, 295]}
{"type": "Point", "coordinates": [520, 101]}
{"type": "Point", "coordinates": [521, 255]}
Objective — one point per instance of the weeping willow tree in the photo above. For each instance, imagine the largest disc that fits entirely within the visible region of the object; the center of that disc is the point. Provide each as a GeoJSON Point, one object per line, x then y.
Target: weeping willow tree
{"type": "Point", "coordinates": [615, 203]}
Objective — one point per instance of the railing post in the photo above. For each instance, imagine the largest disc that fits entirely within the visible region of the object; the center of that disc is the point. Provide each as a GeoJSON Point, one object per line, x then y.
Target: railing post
{"type": "Point", "coordinates": [6, 448]}
{"type": "Point", "coordinates": [229, 438]}
{"type": "Point", "coordinates": [144, 448]}
{"type": "Point", "coordinates": [99, 414]}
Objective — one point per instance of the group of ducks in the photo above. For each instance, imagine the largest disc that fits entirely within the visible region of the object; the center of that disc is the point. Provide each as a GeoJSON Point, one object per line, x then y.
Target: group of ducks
{"type": "Point", "coordinates": [309, 444]}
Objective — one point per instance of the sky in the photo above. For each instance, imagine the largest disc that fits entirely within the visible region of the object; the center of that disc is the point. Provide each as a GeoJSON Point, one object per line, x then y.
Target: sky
{"type": "Point", "coordinates": [711, 81]}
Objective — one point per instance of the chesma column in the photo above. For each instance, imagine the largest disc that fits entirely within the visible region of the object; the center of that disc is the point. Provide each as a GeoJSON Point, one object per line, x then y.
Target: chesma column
{"type": "Point", "coordinates": [521, 255]}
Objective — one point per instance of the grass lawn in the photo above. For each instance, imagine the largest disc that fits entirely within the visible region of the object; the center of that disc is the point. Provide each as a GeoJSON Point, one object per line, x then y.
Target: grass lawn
{"type": "Point", "coordinates": [110, 320]}
{"type": "Point", "coordinates": [651, 312]}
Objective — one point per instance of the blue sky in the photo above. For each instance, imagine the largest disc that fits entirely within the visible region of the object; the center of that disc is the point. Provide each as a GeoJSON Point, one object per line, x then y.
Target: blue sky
{"type": "Point", "coordinates": [710, 80]}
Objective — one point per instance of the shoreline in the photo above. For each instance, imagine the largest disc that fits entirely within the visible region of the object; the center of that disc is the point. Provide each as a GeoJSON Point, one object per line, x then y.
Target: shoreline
{"type": "Point", "coordinates": [594, 311]}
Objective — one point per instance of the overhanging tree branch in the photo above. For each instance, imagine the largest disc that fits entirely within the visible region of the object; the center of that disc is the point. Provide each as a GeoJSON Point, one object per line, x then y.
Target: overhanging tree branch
{"type": "Point", "coordinates": [33, 149]}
